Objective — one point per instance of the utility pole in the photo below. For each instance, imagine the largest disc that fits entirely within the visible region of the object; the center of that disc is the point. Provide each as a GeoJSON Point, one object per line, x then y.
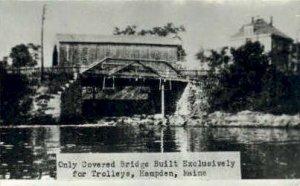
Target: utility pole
{"type": "Point", "coordinates": [297, 44]}
{"type": "Point", "coordinates": [42, 42]}
{"type": "Point", "coordinates": [163, 99]}
{"type": "Point", "coordinates": [297, 52]}
{"type": "Point", "coordinates": [2, 74]}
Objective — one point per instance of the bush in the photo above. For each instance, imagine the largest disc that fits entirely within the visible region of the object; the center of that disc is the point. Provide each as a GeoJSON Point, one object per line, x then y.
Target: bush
{"type": "Point", "coordinates": [16, 100]}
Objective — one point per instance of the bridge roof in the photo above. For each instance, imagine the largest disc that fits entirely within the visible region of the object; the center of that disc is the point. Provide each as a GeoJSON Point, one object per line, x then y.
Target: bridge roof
{"type": "Point", "coordinates": [133, 68]}
{"type": "Point", "coordinates": [117, 39]}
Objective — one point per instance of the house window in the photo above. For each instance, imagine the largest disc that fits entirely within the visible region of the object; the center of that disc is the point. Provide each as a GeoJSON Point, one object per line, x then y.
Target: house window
{"type": "Point", "coordinates": [248, 30]}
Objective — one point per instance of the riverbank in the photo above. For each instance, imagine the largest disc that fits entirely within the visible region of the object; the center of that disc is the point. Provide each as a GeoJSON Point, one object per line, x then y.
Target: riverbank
{"type": "Point", "coordinates": [240, 119]}
{"type": "Point", "coordinates": [216, 119]}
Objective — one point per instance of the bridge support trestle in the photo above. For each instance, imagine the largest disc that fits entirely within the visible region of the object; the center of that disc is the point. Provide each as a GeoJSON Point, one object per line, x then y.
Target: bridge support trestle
{"type": "Point", "coordinates": [163, 99]}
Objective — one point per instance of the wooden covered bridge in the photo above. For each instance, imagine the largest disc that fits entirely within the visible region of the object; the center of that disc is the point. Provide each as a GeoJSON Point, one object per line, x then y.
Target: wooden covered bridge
{"type": "Point", "coordinates": [120, 75]}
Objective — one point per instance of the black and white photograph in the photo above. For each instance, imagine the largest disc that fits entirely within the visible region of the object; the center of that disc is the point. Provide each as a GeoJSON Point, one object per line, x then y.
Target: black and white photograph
{"type": "Point", "coordinates": [150, 77]}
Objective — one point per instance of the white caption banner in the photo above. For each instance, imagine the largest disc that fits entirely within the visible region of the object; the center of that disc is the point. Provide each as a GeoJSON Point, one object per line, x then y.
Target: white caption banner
{"type": "Point", "coordinates": [103, 166]}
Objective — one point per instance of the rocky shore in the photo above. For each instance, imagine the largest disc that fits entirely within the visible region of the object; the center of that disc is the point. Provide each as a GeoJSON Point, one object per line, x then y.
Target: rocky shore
{"type": "Point", "coordinates": [240, 119]}
{"type": "Point", "coordinates": [190, 112]}
{"type": "Point", "coordinates": [216, 119]}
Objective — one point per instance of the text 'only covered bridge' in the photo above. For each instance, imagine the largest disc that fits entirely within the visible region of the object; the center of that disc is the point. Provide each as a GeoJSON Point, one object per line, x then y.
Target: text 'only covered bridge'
{"type": "Point", "coordinates": [120, 75]}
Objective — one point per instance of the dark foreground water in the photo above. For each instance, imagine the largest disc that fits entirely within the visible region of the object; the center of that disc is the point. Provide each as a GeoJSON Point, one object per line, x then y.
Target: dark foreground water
{"type": "Point", "coordinates": [29, 153]}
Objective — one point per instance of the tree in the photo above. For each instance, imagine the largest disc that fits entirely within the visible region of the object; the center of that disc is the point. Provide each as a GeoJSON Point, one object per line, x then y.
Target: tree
{"type": "Point", "coordinates": [24, 55]}
{"type": "Point", "coordinates": [216, 61]}
{"type": "Point", "coordinates": [55, 57]}
{"type": "Point", "coordinates": [129, 30]}
{"type": "Point", "coordinates": [250, 83]}
{"type": "Point", "coordinates": [16, 98]}
{"type": "Point", "coordinates": [168, 30]}
{"type": "Point", "coordinates": [241, 82]}
{"type": "Point", "coordinates": [200, 55]}
{"type": "Point", "coordinates": [4, 62]}
{"type": "Point", "coordinates": [34, 51]}
{"type": "Point", "coordinates": [18, 89]}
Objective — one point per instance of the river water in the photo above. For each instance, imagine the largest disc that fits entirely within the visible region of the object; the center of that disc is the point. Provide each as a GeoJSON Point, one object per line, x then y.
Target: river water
{"type": "Point", "coordinates": [30, 153]}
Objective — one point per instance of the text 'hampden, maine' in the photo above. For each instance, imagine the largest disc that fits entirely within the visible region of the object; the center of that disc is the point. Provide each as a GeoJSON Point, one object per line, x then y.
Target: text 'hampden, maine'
{"type": "Point", "coordinates": [212, 165]}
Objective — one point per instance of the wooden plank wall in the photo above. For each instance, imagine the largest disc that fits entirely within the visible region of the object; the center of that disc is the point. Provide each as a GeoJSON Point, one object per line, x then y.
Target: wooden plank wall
{"type": "Point", "coordinates": [72, 54]}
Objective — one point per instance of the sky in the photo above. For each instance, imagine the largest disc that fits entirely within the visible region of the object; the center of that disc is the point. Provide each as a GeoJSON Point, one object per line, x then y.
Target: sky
{"type": "Point", "coordinates": [209, 23]}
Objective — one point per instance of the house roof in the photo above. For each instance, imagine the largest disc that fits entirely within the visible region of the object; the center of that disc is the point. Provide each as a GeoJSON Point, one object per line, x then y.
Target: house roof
{"type": "Point", "coordinates": [117, 39]}
{"type": "Point", "coordinates": [260, 26]}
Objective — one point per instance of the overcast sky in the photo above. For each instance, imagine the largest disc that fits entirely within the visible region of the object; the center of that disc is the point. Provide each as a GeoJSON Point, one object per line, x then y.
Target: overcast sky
{"type": "Point", "coordinates": [209, 24]}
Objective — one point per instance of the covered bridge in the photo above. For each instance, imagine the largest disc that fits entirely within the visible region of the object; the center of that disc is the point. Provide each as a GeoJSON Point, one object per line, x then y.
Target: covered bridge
{"type": "Point", "coordinates": [122, 75]}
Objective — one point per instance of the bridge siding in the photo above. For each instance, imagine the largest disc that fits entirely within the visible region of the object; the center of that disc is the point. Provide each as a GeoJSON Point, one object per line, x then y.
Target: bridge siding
{"type": "Point", "coordinates": [72, 54]}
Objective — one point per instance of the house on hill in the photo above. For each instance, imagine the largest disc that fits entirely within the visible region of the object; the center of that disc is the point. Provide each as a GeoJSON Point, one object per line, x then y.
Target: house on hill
{"type": "Point", "coordinates": [274, 41]}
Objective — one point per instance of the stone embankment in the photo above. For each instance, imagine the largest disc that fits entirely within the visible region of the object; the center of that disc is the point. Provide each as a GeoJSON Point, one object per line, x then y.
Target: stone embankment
{"type": "Point", "coordinates": [47, 105]}
{"type": "Point", "coordinates": [192, 112]}
{"type": "Point", "coordinates": [240, 119]}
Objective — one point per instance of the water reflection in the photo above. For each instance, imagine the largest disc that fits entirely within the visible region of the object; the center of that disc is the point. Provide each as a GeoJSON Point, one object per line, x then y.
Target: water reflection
{"type": "Point", "coordinates": [265, 153]}
{"type": "Point", "coordinates": [29, 153]}
{"type": "Point", "coordinates": [118, 139]}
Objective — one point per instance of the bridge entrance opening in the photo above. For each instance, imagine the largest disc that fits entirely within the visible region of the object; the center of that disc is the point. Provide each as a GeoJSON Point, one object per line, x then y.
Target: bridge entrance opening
{"type": "Point", "coordinates": [129, 96]}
